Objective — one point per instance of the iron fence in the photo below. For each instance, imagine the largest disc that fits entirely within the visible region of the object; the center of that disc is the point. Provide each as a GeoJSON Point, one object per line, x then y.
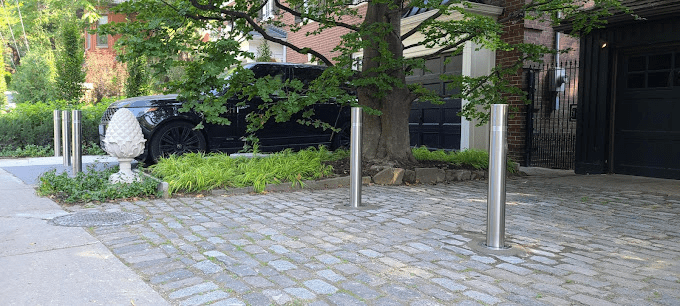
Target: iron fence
{"type": "Point", "coordinates": [551, 116]}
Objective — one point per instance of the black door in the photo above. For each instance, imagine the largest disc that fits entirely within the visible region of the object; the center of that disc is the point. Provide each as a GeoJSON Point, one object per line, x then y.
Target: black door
{"type": "Point", "coordinates": [647, 114]}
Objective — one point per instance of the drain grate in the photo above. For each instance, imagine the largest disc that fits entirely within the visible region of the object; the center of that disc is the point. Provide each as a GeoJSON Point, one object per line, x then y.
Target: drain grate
{"type": "Point", "coordinates": [97, 218]}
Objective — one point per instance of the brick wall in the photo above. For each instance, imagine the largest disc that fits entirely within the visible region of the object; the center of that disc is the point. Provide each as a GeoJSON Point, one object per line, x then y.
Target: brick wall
{"type": "Point", "coordinates": [323, 42]}
{"type": "Point", "coordinates": [528, 31]}
{"type": "Point", "coordinates": [514, 32]}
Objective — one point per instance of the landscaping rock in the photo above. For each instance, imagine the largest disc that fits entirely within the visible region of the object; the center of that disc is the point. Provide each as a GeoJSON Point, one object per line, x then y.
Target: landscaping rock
{"type": "Point", "coordinates": [458, 175]}
{"type": "Point", "coordinates": [478, 175]}
{"type": "Point", "coordinates": [409, 177]}
{"type": "Point", "coordinates": [389, 176]}
{"type": "Point", "coordinates": [430, 175]}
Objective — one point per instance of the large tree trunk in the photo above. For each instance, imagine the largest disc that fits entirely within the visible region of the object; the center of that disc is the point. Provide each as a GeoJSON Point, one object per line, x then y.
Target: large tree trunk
{"type": "Point", "coordinates": [386, 137]}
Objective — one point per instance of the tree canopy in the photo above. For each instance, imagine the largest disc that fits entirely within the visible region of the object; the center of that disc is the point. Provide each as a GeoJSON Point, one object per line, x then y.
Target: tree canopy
{"type": "Point", "coordinates": [169, 32]}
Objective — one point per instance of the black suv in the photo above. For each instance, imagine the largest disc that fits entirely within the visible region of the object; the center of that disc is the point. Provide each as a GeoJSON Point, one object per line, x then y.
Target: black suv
{"type": "Point", "coordinates": [169, 131]}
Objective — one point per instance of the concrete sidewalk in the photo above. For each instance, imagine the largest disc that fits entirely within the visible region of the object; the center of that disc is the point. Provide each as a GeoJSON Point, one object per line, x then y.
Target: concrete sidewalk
{"type": "Point", "coordinates": [29, 169]}
{"type": "Point", "coordinates": [43, 264]}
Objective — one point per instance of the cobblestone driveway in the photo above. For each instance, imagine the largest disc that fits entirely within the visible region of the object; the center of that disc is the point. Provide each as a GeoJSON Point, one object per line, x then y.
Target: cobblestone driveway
{"type": "Point", "coordinates": [418, 246]}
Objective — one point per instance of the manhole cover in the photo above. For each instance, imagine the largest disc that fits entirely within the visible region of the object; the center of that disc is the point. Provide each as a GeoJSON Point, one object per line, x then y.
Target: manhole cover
{"type": "Point", "coordinates": [97, 218]}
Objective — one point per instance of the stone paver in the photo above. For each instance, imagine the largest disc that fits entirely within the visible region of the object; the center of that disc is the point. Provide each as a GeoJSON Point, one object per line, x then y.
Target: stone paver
{"type": "Point", "coordinates": [416, 245]}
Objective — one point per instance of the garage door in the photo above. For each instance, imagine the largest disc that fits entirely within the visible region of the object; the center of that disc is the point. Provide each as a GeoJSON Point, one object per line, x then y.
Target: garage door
{"type": "Point", "coordinates": [647, 114]}
{"type": "Point", "coordinates": [431, 125]}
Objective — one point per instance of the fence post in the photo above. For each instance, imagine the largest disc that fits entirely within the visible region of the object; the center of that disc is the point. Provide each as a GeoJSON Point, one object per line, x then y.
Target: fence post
{"type": "Point", "coordinates": [57, 132]}
{"type": "Point", "coordinates": [66, 137]}
{"type": "Point", "coordinates": [355, 158]}
{"type": "Point", "coordinates": [77, 139]}
{"type": "Point", "coordinates": [529, 127]}
{"type": "Point", "coordinates": [495, 228]}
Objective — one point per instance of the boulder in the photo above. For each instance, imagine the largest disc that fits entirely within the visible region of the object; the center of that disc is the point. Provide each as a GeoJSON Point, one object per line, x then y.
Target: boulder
{"type": "Point", "coordinates": [409, 177]}
{"type": "Point", "coordinates": [430, 175]}
{"type": "Point", "coordinates": [389, 176]}
{"type": "Point", "coordinates": [478, 175]}
{"type": "Point", "coordinates": [458, 175]}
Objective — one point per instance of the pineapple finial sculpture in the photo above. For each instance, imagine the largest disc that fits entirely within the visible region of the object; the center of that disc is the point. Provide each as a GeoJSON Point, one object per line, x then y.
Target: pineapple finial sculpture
{"type": "Point", "coordinates": [125, 141]}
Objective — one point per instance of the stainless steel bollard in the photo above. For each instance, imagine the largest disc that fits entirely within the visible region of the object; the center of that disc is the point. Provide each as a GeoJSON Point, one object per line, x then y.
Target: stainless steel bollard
{"type": "Point", "coordinates": [76, 115]}
{"type": "Point", "coordinates": [495, 228]}
{"type": "Point", "coordinates": [355, 159]}
{"type": "Point", "coordinates": [57, 132]}
{"type": "Point", "coordinates": [66, 137]}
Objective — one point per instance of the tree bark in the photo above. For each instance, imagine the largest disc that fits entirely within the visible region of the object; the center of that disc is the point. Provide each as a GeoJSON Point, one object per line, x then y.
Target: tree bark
{"type": "Point", "coordinates": [386, 137]}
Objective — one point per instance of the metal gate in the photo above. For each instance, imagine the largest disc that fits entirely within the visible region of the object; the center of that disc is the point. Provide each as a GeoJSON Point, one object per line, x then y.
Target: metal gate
{"type": "Point", "coordinates": [551, 116]}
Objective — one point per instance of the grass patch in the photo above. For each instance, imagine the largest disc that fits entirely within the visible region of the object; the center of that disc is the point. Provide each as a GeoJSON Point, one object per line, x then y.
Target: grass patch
{"type": "Point", "coordinates": [93, 186]}
{"type": "Point", "coordinates": [478, 159]}
{"type": "Point", "coordinates": [197, 172]}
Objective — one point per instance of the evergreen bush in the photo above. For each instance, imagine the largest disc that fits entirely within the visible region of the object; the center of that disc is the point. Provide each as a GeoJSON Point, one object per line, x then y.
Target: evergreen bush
{"type": "Point", "coordinates": [138, 80]}
{"type": "Point", "coordinates": [70, 72]}
{"type": "Point", "coordinates": [34, 79]}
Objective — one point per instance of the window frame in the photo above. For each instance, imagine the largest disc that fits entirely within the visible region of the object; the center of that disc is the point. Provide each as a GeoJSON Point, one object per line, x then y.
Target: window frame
{"type": "Point", "coordinates": [102, 41]}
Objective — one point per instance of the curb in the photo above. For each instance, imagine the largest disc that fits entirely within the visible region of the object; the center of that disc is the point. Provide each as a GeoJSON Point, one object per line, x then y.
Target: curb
{"type": "Point", "coordinates": [162, 187]}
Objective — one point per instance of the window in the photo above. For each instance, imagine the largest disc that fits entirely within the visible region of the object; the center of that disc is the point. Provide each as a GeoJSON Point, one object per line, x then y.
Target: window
{"type": "Point", "coordinates": [87, 41]}
{"type": "Point", "coordinates": [268, 10]}
{"type": "Point", "coordinates": [652, 71]}
{"type": "Point", "coordinates": [103, 40]}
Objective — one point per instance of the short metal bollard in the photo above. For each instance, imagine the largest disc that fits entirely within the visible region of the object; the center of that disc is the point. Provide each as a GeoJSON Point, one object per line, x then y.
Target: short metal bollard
{"type": "Point", "coordinates": [57, 132]}
{"type": "Point", "coordinates": [76, 116]}
{"type": "Point", "coordinates": [495, 229]}
{"type": "Point", "coordinates": [355, 159]}
{"type": "Point", "coordinates": [66, 137]}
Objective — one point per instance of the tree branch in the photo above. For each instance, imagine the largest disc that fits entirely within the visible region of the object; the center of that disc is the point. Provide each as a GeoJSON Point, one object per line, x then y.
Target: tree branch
{"type": "Point", "coordinates": [256, 27]}
{"type": "Point", "coordinates": [325, 21]}
{"type": "Point", "coordinates": [420, 25]}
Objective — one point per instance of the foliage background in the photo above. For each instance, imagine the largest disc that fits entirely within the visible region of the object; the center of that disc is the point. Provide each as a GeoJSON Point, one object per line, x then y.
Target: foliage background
{"type": "Point", "coordinates": [32, 123]}
{"type": "Point", "coordinates": [35, 79]}
{"type": "Point", "coordinates": [70, 70]}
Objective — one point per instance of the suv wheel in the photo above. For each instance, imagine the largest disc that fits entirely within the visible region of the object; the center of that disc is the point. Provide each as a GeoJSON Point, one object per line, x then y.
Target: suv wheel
{"type": "Point", "coordinates": [176, 138]}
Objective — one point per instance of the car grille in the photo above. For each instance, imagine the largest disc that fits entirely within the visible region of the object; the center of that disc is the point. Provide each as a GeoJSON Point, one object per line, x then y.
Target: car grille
{"type": "Point", "coordinates": [108, 114]}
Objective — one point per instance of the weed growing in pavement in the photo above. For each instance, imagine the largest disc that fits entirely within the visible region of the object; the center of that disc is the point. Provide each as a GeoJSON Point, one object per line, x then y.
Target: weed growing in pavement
{"type": "Point", "coordinates": [92, 186]}
{"type": "Point", "coordinates": [478, 159]}
{"type": "Point", "coordinates": [196, 172]}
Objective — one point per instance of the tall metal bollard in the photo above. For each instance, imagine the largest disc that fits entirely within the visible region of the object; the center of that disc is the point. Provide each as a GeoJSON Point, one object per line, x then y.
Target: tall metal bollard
{"type": "Point", "coordinates": [77, 139]}
{"type": "Point", "coordinates": [66, 137]}
{"type": "Point", "coordinates": [495, 228]}
{"type": "Point", "coordinates": [57, 132]}
{"type": "Point", "coordinates": [355, 159]}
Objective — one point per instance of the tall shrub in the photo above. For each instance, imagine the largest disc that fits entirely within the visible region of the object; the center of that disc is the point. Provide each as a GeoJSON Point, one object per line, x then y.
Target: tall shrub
{"type": "Point", "coordinates": [264, 53]}
{"type": "Point", "coordinates": [34, 79]}
{"type": "Point", "coordinates": [70, 69]}
{"type": "Point", "coordinates": [106, 74]}
{"type": "Point", "coordinates": [138, 81]}
{"type": "Point", "coordinates": [3, 85]}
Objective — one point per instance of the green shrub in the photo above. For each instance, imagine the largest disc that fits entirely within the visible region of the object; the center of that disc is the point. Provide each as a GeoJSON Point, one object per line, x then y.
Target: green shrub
{"type": "Point", "coordinates": [198, 172]}
{"type": "Point", "coordinates": [478, 159]}
{"type": "Point", "coordinates": [92, 186]}
{"type": "Point", "coordinates": [70, 72]}
{"type": "Point", "coordinates": [3, 81]}
{"type": "Point", "coordinates": [138, 80]}
{"type": "Point", "coordinates": [32, 124]}
{"type": "Point", "coordinates": [34, 79]}
{"type": "Point", "coordinates": [27, 151]}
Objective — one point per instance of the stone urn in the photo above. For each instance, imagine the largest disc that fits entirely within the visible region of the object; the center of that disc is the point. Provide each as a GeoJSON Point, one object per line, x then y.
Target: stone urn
{"type": "Point", "coordinates": [125, 141]}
